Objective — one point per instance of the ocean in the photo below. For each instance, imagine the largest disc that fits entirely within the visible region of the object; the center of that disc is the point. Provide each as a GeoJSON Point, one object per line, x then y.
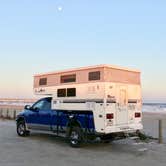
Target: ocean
{"type": "Point", "coordinates": [154, 107]}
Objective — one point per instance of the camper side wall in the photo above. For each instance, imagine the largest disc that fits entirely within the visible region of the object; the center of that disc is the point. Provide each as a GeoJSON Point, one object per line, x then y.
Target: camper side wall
{"type": "Point", "coordinates": [121, 76]}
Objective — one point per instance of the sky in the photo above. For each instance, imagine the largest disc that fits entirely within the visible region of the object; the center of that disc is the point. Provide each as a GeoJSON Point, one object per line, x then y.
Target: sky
{"type": "Point", "coordinates": [38, 36]}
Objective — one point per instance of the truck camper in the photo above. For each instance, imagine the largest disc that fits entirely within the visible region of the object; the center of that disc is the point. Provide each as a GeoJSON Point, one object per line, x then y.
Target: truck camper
{"type": "Point", "coordinates": [101, 100]}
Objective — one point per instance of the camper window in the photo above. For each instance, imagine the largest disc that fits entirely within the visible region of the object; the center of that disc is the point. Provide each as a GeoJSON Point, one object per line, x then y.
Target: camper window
{"type": "Point", "coordinates": [43, 81]}
{"type": "Point", "coordinates": [94, 76]}
{"type": "Point", "coordinates": [61, 93]}
{"type": "Point", "coordinates": [71, 92]}
{"type": "Point", "coordinates": [68, 78]}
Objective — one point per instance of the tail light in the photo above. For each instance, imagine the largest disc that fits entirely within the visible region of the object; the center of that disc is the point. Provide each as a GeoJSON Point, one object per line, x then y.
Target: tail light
{"type": "Point", "coordinates": [110, 116]}
{"type": "Point", "coordinates": [137, 115]}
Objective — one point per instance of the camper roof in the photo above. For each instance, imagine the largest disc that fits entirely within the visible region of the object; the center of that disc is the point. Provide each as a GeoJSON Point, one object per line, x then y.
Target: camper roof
{"type": "Point", "coordinates": [86, 68]}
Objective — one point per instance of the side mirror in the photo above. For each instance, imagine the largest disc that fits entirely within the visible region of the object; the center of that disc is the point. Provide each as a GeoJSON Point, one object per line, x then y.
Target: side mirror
{"type": "Point", "coordinates": [27, 107]}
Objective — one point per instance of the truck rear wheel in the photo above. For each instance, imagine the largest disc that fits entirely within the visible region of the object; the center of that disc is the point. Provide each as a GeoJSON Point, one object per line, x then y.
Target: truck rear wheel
{"type": "Point", "coordinates": [75, 137]}
{"type": "Point", "coordinates": [21, 129]}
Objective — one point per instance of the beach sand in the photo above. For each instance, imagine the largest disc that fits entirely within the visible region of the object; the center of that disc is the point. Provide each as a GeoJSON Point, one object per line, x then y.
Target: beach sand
{"type": "Point", "coordinates": [43, 149]}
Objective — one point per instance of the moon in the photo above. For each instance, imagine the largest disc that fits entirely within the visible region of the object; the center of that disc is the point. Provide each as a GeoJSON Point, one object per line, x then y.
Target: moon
{"type": "Point", "coordinates": [60, 8]}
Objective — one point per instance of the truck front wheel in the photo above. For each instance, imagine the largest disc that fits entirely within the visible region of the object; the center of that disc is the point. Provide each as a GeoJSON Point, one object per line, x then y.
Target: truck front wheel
{"type": "Point", "coordinates": [75, 137]}
{"type": "Point", "coordinates": [21, 129]}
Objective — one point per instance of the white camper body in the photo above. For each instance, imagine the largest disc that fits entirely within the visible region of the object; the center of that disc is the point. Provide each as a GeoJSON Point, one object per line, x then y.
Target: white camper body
{"type": "Point", "coordinates": [112, 93]}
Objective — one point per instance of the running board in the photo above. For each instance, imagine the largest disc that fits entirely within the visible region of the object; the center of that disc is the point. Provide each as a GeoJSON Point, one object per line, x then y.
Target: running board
{"type": "Point", "coordinates": [59, 134]}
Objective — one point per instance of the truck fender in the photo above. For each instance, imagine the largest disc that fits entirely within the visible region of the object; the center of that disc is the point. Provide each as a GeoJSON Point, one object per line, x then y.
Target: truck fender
{"type": "Point", "coordinates": [21, 118]}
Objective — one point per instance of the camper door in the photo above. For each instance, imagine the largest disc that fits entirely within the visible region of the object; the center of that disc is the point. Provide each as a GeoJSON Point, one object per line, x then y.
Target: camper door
{"type": "Point", "coordinates": [121, 110]}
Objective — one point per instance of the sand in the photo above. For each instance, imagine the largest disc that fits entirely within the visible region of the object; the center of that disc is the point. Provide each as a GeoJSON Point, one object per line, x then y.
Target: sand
{"type": "Point", "coordinates": [43, 149]}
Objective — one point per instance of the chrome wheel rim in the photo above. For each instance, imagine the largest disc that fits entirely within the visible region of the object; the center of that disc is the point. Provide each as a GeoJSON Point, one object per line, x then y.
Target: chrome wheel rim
{"type": "Point", "coordinates": [21, 129]}
{"type": "Point", "coordinates": [74, 137]}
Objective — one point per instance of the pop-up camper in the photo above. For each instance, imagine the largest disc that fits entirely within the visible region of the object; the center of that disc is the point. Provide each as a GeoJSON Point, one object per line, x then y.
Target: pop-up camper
{"type": "Point", "coordinates": [112, 93]}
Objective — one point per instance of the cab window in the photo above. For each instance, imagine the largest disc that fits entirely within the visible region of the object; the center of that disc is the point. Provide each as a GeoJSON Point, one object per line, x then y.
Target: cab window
{"type": "Point", "coordinates": [42, 105]}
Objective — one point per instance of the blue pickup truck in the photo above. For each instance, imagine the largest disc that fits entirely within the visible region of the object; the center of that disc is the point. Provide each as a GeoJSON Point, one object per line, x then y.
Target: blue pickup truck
{"type": "Point", "coordinates": [76, 126]}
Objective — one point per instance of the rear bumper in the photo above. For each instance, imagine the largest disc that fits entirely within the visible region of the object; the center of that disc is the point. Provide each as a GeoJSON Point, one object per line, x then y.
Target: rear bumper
{"type": "Point", "coordinates": [130, 128]}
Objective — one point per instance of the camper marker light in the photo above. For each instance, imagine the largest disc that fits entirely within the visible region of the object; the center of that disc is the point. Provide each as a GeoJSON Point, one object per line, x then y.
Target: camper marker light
{"type": "Point", "coordinates": [110, 116]}
{"type": "Point", "coordinates": [137, 115]}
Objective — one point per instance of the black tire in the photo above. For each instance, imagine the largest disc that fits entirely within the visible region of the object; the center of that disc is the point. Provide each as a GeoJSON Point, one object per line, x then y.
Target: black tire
{"type": "Point", "coordinates": [75, 136]}
{"type": "Point", "coordinates": [21, 129]}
